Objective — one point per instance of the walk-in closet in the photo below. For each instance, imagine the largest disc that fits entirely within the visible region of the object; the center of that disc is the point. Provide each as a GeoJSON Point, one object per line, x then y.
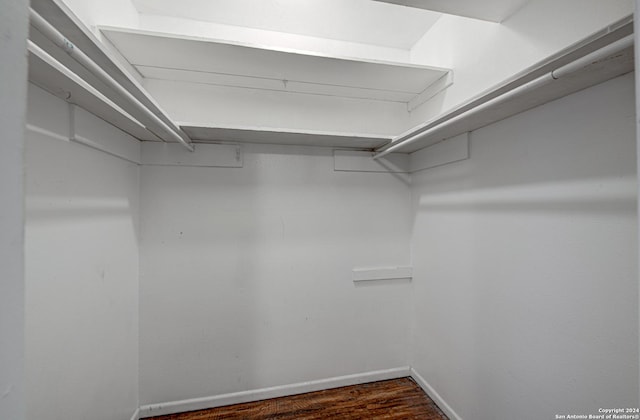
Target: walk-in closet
{"type": "Point", "coordinates": [215, 202]}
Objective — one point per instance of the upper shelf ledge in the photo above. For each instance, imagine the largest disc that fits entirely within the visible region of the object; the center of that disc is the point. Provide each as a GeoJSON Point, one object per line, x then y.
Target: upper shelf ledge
{"type": "Point", "coordinates": [604, 55]}
{"type": "Point", "coordinates": [68, 60]}
{"type": "Point", "coordinates": [207, 61]}
{"type": "Point", "coordinates": [268, 135]}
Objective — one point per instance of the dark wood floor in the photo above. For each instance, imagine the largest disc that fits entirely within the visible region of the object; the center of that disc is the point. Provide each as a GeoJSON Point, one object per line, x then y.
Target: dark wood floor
{"type": "Point", "coordinates": [393, 399]}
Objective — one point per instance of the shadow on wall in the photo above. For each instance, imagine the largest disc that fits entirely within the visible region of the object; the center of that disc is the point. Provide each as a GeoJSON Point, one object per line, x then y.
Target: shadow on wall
{"type": "Point", "coordinates": [525, 262]}
{"type": "Point", "coordinates": [75, 190]}
{"type": "Point", "coordinates": [599, 195]}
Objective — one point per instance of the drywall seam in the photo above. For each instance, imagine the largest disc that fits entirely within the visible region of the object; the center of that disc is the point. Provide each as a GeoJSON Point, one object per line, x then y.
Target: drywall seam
{"type": "Point", "coordinates": [271, 392]}
{"type": "Point", "coordinates": [433, 394]}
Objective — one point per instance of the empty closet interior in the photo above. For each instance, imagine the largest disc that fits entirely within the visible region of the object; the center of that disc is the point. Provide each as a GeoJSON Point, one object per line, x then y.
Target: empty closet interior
{"type": "Point", "coordinates": [230, 200]}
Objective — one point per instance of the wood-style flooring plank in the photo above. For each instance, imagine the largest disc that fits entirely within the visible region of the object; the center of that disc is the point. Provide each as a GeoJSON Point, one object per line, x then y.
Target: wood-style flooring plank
{"type": "Point", "coordinates": [393, 399]}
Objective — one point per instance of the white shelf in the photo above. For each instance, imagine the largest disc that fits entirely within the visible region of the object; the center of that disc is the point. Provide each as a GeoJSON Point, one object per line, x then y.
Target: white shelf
{"type": "Point", "coordinates": [71, 81]}
{"type": "Point", "coordinates": [221, 63]}
{"type": "Point", "coordinates": [48, 74]}
{"type": "Point", "coordinates": [213, 134]}
{"type": "Point", "coordinates": [206, 61]}
{"type": "Point", "coordinates": [489, 107]}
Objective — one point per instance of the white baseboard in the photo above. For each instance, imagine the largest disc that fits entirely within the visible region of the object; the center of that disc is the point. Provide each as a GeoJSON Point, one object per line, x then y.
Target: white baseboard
{"type": "Point", "coordinates": [428, 389]}
{"type": "Point", "coordinates": [272, 392]}
{"type": "Point", "coordinates": [136, 415]}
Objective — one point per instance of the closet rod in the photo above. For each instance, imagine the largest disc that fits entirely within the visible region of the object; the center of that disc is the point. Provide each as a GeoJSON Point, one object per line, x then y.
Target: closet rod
{"type": "Point", "coordinates": [62, 42]}
{"type": "Point", "coordinates": [549, 77]}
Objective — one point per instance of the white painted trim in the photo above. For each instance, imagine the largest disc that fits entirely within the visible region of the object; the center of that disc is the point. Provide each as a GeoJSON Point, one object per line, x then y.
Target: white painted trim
{"type": "Point", "coordinates": [454, 149]}
{"type": "Point", "coordinates": [433, 394]}
{"type": "Point", "coordinates": [355, 161]}
{"type": "Point", "coordinates": [271, 392]}
{"type": "Point", "coordinates": [97, 146]}
{"type": "Point", "coordinates": [45, 132]}
{"type": "Point", "coordinates": [278, 135]}
{"type": "Point", "coordinates": [382, 273]}
{"type": "Point", "coordinates": [136, 414]}
{"type": "Point", "coordinates": [431, 91]}
{"type": "Point", "coordinates": [78, 140]}
{"type": "Point", "coordinates": [637, 79]}
{"type": "Point", "coordinates": [206, 155]}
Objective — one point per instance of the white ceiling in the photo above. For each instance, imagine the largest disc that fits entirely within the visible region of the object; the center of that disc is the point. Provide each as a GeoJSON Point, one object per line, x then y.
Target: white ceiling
{"type": "Point", "coordinates": [361, 21]}
{"type": "Point", "coordinates": [493, 10]}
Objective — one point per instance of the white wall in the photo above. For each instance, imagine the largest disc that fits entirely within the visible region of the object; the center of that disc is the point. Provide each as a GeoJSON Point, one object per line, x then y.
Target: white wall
{"type": "Point", "coordinates": [13, 86]}
{"type": "Point", "coordinates": [525, 263]}
{"type": "Point", "coordinates": [81, 269]}
{"type": "Point", "coordinates": [483, 54]}
{"type": "Point", "coordinates": [246, 274]}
